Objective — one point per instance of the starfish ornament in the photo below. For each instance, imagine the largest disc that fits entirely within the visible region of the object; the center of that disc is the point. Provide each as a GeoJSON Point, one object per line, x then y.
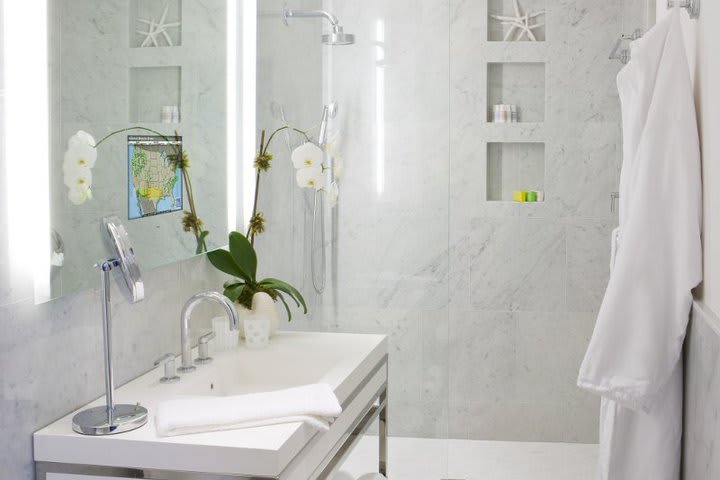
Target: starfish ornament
{"type": "Point", "coordinates": [156, 29]}
{"type": "Point", "coordinates": [521, 21]}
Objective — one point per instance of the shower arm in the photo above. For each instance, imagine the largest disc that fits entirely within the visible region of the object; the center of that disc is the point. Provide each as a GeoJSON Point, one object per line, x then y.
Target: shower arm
{"type": "Point", "coordinates": [289, 13]}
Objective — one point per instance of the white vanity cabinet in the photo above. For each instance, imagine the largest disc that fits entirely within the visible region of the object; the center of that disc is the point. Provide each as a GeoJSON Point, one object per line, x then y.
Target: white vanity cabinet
{"type": "Point", "coordinates": [354, 365]}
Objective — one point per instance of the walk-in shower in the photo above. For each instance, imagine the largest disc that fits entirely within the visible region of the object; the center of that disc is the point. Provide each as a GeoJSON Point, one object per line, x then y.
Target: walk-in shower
{"type": "Point", "coordinates": [488, 303]}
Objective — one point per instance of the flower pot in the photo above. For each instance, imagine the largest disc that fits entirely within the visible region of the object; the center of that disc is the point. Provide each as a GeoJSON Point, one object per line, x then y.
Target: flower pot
{"type": "Point", "coordinates": [263, 305]}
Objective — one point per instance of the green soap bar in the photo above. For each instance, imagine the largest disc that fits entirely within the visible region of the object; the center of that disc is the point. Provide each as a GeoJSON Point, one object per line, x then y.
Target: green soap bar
{"type": "Point", "coordinates": [532, 196]}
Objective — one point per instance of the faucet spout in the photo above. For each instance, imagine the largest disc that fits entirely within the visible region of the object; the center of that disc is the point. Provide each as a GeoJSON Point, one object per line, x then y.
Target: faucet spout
{"type": "Point", "coordinates": [185, 346]}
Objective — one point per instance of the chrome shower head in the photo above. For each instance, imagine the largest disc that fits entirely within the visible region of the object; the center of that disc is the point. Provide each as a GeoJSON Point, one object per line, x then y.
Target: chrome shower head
{"type": "Point", "coordinates": [336, 36]}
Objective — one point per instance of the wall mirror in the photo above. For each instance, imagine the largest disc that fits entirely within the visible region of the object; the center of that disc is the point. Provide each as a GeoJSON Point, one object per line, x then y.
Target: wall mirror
{"type": "Point", "coordinates": [160, 73]}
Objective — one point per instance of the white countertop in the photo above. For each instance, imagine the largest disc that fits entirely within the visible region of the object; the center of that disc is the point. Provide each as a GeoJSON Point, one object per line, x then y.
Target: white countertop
{"type": "Point", "coordinates": [293, 358]}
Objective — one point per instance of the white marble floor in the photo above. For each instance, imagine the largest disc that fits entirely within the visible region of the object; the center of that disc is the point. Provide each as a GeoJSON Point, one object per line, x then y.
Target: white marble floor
{"type": "Point", "coordinates": [432, 459]}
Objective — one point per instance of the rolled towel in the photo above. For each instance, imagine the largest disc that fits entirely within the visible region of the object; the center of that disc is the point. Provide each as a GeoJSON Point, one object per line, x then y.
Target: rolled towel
{"type": "Point", "coordinates": [315, 405]}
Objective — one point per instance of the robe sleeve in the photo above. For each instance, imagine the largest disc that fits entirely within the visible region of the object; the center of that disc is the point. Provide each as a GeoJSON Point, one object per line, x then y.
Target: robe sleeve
{"type": "Point", "coordinates": [641, 323]}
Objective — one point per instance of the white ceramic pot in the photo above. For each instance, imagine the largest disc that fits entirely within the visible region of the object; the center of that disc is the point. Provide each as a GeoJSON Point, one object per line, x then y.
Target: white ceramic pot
{"type": "Point", "coordinates": [262, 304]}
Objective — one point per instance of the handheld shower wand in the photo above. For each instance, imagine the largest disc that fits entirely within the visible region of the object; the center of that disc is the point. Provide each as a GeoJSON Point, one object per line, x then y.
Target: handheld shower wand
{"type": "Point", "coordinates": [329, 111]}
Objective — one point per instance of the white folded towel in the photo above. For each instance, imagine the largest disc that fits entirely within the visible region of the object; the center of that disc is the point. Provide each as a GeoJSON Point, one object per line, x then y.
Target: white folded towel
{"type": "Point", "coordinates": [315, 405]}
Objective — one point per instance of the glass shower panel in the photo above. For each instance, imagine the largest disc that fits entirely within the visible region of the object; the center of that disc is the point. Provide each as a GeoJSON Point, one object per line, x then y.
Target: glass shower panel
{"type": "Point", "coordinates": [385, 245]}
{"type": "Point", "coordinates": [479, 247]}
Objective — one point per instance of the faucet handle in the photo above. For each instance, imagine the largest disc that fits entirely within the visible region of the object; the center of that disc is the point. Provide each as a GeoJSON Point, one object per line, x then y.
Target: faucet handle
{"type": "Point", "coordinates": [168, 361]}
{"type": "Point", "coordinates": [203, 356]}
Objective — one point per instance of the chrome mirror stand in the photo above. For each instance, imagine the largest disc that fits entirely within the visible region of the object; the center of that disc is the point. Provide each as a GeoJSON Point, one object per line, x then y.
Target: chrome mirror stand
{"type": "Point", "coordinates": [111, 418]}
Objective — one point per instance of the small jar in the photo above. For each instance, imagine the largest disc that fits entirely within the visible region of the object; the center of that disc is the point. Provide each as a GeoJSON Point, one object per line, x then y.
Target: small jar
{"type": "Point", "coordinates": [513, 114]}
{"type": "Point", "coordinates": [496, 113]}
{"type": "Point", "coordinates": [257, 330]}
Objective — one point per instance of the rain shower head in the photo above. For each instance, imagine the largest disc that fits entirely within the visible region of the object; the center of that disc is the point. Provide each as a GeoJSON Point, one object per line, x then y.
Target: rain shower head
{"type": "Point", "coordinates": [336, 36]}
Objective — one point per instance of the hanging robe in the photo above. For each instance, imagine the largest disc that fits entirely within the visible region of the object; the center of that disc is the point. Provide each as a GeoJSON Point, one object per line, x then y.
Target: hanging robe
{"type": "Point", "coordinates": [634, 358]}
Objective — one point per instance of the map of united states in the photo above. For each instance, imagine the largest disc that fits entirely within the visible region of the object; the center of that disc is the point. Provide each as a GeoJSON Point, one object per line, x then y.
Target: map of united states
{"type": "Point", "coordinates": [154, 177]}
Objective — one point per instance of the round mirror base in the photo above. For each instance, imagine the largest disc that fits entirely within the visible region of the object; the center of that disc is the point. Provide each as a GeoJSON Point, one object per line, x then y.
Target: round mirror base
{"type": "Point", "coordinates": [93, 421]}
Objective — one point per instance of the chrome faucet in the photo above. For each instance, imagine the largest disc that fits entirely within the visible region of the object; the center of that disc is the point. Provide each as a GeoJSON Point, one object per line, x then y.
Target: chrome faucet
{"type": "Point", "coordinates": [185, 346]}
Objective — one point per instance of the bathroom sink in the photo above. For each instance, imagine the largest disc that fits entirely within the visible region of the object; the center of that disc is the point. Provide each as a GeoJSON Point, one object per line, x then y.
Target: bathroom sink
{"type": "Point", "coordinates": [353, 365]}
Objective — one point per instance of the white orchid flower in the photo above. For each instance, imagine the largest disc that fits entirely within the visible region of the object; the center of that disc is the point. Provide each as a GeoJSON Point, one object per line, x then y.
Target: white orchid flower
{"type": "Point", "coordinates": [332, 193]}
{"type": "Point", "coordinates": [79, 195]}
{"type": "Point", "coordinates": [311, 177]}
{"type": "Point", "coordinates": [78, 178]}
{"type": "Point", "coordinates": [79, 156]}
{"type": "Point", "coordinates": [307, 155]}
{"type": "Point", "coordinates": [81, 138]}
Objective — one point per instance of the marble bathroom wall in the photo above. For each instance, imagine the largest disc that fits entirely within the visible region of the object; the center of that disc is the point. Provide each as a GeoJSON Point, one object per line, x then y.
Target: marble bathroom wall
{"type": "Point", "coordinates": [701, 433]}
{"type": "Point", "coordinates": [526, 280]}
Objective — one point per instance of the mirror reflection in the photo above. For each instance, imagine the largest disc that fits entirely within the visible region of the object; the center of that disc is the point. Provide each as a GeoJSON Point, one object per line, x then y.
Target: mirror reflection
{"type": "Point", "coordinates": [138, 114]}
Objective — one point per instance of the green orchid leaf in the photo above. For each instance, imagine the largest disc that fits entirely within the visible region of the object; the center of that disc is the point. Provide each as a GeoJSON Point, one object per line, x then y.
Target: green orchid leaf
{"type": "Point", "coordinates": [223, 261]}
{"type": "Point", "coordinates": [201, 244]}
{"type": "Point", "coordinates": [232, 283]}
{"type": "Point", "coordinates": [244, 254]}
{"type": "Point", "coordinates": [287, 308]}
{"type": "Point", "coordinates": [287, 288]}
{"type": "Point", "coordinates": [233, 292]}
{"type": "Point", "coordinates": [279, 288]}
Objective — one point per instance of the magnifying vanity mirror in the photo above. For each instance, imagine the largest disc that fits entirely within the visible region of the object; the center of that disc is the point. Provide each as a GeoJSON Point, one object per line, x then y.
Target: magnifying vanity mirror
{"type": "Point", "coordinates": [139, 101]}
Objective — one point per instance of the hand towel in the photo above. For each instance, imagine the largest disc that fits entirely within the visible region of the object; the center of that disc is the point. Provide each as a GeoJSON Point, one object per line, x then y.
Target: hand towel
{"type": "Point", "coordinates": [315, 405]}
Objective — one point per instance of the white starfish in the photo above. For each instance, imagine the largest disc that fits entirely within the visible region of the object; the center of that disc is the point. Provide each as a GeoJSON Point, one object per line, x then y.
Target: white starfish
{"type": "Point", "coordinates": [520, 21]}
{"type": "Point", "coordinates": [155, 29]}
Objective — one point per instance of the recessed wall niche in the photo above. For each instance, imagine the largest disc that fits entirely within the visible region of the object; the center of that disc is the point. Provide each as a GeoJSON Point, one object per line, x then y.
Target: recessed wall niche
{"type": "Point", "coordinates": [497, 32]}
{"type": "Point", "coordinates": [143, 11]}
{"type": "Point", "coordinates": [514, 166]}
{"type": "Point", "coordinates": [152, 88]}
{"type": "Point", "coordinates": [519, 84]}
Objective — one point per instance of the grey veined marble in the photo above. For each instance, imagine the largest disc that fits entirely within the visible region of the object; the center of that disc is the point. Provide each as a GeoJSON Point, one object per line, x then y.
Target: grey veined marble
{"type": "Point", "coordinates": [701, 436]}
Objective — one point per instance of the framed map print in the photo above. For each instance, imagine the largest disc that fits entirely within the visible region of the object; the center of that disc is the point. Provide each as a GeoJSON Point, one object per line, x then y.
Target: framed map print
{"type": "Point", "coordinates": [154, 175]}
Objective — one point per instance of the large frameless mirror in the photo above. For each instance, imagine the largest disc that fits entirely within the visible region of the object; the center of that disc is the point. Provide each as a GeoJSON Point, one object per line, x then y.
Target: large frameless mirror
{"type": "Point", "coordinates": [142, 105]}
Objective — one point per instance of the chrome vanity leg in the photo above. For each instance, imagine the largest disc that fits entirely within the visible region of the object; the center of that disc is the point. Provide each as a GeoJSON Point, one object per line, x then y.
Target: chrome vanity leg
{"type": "Point", "coordinates": [383, 433]}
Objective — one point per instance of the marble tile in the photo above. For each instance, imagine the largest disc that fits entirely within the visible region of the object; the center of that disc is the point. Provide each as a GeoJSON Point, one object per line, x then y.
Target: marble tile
{"type": "Point", "coordinates": [509, 264]}
{"type": "Point", "coordinates": [482, 361]}
{"type": "Point", "coordinates": [701, 434]}
{"type": "Point", "coordinates": [553, 377]}
{"type": "Point", "coordinates": [581, 171]}
{"type": "Point", "coordinates": [435, 334]}
{"type": "Point", "coordinates": [588, 263]}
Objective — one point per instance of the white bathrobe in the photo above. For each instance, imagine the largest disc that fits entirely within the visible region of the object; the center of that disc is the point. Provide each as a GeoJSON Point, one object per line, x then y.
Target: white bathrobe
{"type": "Point", "coordinates": [634, 358]}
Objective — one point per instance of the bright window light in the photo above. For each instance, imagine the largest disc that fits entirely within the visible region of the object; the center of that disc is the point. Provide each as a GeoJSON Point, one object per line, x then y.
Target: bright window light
{"type": "Point", "coordinates": [26, 148]}
{"type": "Point", "coordinates": [232, 114]}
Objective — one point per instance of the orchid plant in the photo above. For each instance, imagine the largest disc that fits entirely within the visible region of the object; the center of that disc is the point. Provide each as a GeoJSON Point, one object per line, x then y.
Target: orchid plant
{"type": "Point", "coordinates": [240, 259]}
{"type": "Point", "coordinates": [80, 158]}
{"type": "Point", "coordinates": [310, 173]}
